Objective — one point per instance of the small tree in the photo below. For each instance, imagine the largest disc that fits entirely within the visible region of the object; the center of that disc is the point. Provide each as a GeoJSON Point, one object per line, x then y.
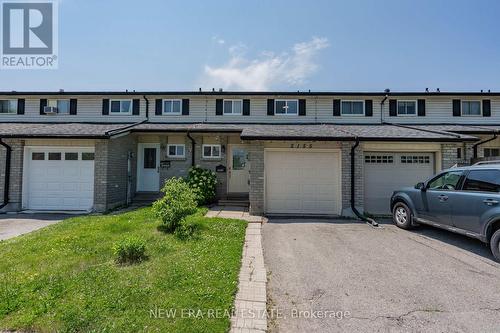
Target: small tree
{"type": "Point", "coordinates": [178, 202]}
{"type": "Point", "coordinates": [203, 182]}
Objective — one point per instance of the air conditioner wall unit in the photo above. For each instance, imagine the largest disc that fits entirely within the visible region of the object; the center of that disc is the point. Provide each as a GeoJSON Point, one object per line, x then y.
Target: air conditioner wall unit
{"type": "Point", "coordinates": [50, 110]}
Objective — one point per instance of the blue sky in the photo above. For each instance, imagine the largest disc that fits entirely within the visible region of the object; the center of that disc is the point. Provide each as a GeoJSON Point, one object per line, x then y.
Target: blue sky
{"type": "Point", "coordinates": [272, 45]}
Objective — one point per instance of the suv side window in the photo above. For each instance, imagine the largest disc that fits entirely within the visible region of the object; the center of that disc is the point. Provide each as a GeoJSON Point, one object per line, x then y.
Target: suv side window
{"type": "Point", "coordinates": [483, 181]}
{"type": "Point", "coordinates": [446, 181]}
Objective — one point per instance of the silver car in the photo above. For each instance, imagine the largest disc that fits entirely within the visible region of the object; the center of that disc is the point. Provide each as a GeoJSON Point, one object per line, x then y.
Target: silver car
{"type": "Point", "coordinates": [464, 200]}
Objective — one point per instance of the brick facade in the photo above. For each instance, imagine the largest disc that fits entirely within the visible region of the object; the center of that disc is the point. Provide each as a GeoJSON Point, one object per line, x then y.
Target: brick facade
{"type": "Point", "coordinates": [346, 178]}
{"type": "Point", "coordinates": [16, 174]}
{"type": "Point", "coordinates": [256, 160]}
{"type": "Point", "coordinates": [449, 154]}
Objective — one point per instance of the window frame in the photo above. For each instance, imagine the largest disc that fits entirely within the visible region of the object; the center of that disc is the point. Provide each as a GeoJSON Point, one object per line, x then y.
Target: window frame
{"type": "Point", "coordinates": [232, 107]}
{"type": "Point", "coordinates": [176, 145]}
{"type": "Point", "coordinates": [490, 149]}
{"type": "Point", "coordinates": [286, 104]}
{"type": "Point", "coordinates": [466, 176]}
{"type": "Point", "coordinates": [172, 100]}
{"type": "Point", "coordinates": [57, 100]}
{"type": "Point", "coordinates": [10, 100]}
{"type": "Point", "coordinates": [120, 113]}
{"type": "Point", "coordinates": [460, 182]}
{"type": "Point", "coordinates": [471, 101]}
{"type": "Point", "coordinates": [211, 157]}
{"type": "Point", "coordinates": [406, 114]}
{"type": "Point", "coordinates": [352, 114]}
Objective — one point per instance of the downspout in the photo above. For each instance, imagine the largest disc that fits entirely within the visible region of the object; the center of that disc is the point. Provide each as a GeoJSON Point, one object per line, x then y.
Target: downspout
{"type": "Point", "coordinates": [147, 106]}
{"type": "Point", "coordinates": [7, 174]}
{"type": "Point", "coordinates": [193, 143]}
{"type": "Point", "coordinates": [353, 188]}
{"type": "Point", "coordinates": [382, 108]}
{"type": "Point", "coordinates": [482, 142]}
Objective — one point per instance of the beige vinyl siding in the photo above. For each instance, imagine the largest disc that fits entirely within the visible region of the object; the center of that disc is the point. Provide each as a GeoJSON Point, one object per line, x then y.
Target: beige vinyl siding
{"type": "Point", "coordinates": [439, 110]}
{"type": "Point", "coordinates": [89, 109]}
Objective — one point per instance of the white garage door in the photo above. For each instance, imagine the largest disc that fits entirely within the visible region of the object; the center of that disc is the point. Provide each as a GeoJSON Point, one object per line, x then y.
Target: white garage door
{"type": "Point", "coordinates": [59, 179]}
{"type": "Point", "coordinates": [303, 182]}
{"type": "Point", "coordinates": [387, 172]}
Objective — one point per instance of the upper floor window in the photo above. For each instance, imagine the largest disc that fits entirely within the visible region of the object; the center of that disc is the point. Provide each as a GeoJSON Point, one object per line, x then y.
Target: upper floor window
{"type": "Point", "coordinates": [353, 108]}
{"type": "Point", "coordinates": [62, 105]}
{"type": "Point", "coordinates": [407, 108]}
{"type": "Point", "coordinates": [471, 108]}
{"type": "Point", "coordinates": [121, 106]}
{"type": "Point", "coordinates": [172, 106]}
{"type": "Point", "coordinates": [233, 106]}
{"type": "Point", "coordinates": [287, 107]}
{"type": "Point", "coordinates": [8, 106]}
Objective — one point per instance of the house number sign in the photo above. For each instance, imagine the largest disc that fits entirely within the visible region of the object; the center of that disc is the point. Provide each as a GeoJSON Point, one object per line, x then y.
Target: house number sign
{"type": "Point", "coordinates": [301, 145]}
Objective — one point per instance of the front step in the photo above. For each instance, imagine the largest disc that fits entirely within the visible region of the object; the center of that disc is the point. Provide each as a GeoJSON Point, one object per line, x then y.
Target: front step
{"type": "Point", "coordinates": [146, 197]}
{"type": "Point", "coordinates": [234, 202]}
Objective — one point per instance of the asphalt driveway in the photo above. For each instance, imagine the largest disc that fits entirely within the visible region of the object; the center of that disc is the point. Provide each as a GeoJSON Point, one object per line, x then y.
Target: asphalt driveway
{"type": "Point", "coordinates": [361, 279]}
{"type": "Point", "coordinates": [13, 225]}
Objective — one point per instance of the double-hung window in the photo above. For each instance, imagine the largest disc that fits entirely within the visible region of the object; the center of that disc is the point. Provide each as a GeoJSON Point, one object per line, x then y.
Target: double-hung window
{"type": "Point", "coordinates": [233, 106]}
{"type": "Point", "coordinates": [286, 107]}
{"type": "Point", "coordinates": [172, 106]}
{"type": "Point", "coordinates": [353, 108]}
{"type": "Point", "coordinates": [407, 108]}
{"type": "Point", "coordinates": [211, 151]}
{"type": "Point", "coordinates": [8, 106]}
{"type": "Point", "coordinates": [62, 105]}
{"type": "Point", "coordinates": [176, 151]}
{"type": "Point", "coordinates": [471, 108]}
{"type": "Point", "coordinates": [121, 107]}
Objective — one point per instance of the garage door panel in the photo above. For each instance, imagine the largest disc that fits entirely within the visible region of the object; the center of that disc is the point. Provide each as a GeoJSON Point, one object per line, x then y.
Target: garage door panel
{"type": "Point", "coordinates": [59, 184]}
{"type": "Point", "coordinates": [302, 182]}
{"type": "Point", "coordinates": [386, 172]}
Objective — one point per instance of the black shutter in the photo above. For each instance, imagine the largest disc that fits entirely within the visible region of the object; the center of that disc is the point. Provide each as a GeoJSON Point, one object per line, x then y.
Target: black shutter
{"type": "Point", "coordinates": [105, 107]}
{"type": "Point", "coordinates": [302, 107]}
{"type": "Point", "coordinates": [219, 106]}
{"type": "Point", "coordinates": [368, 108]}
{"type": "Point", "coordinates": [20, 106]}
{"type": "Point", "coordinates": [270, 107]}
{"type": "Point", "coordinates": [421, 107]}
{"type": "Point", "coordinates": [456, 108]}
{"type": "Point", "coordinates": [246, 107]}
{"type": "Point", "coordinates": [73, 106]}
{"type": "Point", "coordinates": [43, 104]}
{"type": "Point", "coordinates": [185, 107]}
{"type": "Point", "coordinates": [393, 108]}
{"type": "Point", "coordinates": [336, 107]}
{"type": "Point", "coordinates": [158, 107]}
{"type": "Point", "coordinates": [136, 107]}
{"type": "Point", "coordinates": [486, 108]}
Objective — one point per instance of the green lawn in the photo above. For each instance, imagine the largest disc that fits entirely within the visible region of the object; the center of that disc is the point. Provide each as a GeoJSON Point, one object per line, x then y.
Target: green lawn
{"type": "Point", "coordinates": [63, 278]}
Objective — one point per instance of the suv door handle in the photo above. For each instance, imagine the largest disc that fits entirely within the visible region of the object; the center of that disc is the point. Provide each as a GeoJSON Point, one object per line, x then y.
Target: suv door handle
{"type": "Point", "coordinates": [443, 197]}
{"type": "Point", "coordinates": [490, 202]}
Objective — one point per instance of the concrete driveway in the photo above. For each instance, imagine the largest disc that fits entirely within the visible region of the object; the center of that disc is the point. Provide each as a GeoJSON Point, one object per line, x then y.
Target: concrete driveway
{"type": "Point", "coordinates": [13, 225]}
{"type": "Point", "coordinates": [377, 280]}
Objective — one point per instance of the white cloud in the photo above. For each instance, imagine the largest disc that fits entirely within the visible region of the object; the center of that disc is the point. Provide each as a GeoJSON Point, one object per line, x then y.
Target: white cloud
{"type": "Point", "coordinates": [218, 40]}
{"type": "Point", "coordinates": [269, 69]}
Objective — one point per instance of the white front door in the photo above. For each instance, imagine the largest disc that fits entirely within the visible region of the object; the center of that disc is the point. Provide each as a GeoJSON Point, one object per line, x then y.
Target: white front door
{"type": "Point", "coordinates": [238, 170]}
{"type": "Point", "coordinates": [148, 167]}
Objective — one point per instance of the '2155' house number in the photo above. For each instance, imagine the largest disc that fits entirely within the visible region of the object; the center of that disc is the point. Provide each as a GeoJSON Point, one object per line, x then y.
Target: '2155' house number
{"type": "Point", "coordinates": [301, 145]}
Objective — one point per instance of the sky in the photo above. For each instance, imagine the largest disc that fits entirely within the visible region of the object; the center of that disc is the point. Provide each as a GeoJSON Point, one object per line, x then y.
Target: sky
{"type": "Point", "coordinates": [253, 45]}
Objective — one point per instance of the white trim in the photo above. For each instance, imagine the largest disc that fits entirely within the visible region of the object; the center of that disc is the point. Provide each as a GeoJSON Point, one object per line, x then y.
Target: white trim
{"type": "Point", "coordinates": [407, 101]}
{"type": "Point", "coordinates": [211, 151]}
{"type": "Point", "coordinates": [9, 100]}
{"type": "Point", "coordinates": [121, 113]}
{"type": "Point", "coordinates": [172, 100]}
{"type": "Point", "coordinates": [232, 107]}
{"type": "Point", "coordinates": [350, 114]}
{"type": "Point", "coordinates": [471, 115]}
{"type": "Point", "coordinates": [176, 145]}
{"type": "Point", "coordinates": [286, 103]}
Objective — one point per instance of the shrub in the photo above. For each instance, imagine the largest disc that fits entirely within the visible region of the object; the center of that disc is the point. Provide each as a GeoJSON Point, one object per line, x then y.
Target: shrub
{"type": "Point", "coordinates": [187, 230]}
{"type": "Point", "coordinates": [203, 182]}
{"type": "Point", "coordinates": [130, 250]}
{"type": "Point", "coordinates": [178, 202]}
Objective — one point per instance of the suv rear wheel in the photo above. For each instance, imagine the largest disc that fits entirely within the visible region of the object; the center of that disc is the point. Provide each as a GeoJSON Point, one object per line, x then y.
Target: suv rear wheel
{"type": "Point", "coordinates": [402, 215]}
{"type": "Point", "coordinates": [495, 245]}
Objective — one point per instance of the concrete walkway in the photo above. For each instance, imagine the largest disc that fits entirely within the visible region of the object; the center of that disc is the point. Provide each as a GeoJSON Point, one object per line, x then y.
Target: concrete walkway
{"type": "Point", "coordinates": [250, 303]}
{"type": "Point", "coordinates": [13, 225]}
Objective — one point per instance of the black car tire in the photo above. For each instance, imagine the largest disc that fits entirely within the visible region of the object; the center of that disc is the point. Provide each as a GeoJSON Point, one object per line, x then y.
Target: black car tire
{"type": "Point", "coordinates": [495, 245]}
{"type": "Point", "coordinates": [402, 216]}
